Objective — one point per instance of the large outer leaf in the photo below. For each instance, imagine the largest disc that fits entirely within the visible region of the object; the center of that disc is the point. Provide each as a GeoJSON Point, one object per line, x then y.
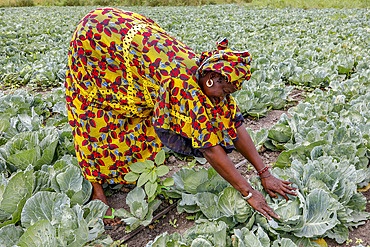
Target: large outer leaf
{"type": "Point", "coordinates": [9, 235]}
{"type": "Point", "coordinates": [137, 194]}
{"type": "Point", "coordinates": [208, 205]}
{"type": "Point", "coordinates": [191, 208]}
{"type": "Point", "coordinates": [245, 238]}
{"type": "Point", "coordinates": [70, 180]}
{"type": "Point", "coordinates": [4, 215]}
{"type": "Point", "coordinates": [42, 233]}
{"type": "Point", "coordinates": [281, 132]}
{"type": "Point", "coordinates": [83, 195]}
{"type": "Point", "coordinates": [215, 232]}
{"type": "Point", "coordinates": [320, 214]}
{"type": "Point", "coordinates": [95, 211]}
{"type": "Point", "coordinates": [188, 180]}
{"type": "Point", "coordinates": [214, 184]}
{"type": "Point", "coordinates": [291, 216]}
{"type": "Point", "coordinates": [31, 123]}
{"type": "Point", "coordinates": [18, 190]}
{"type": "Point", "coordinates": [231, 203]}
{"type": "Point", "coordinates": [3, 183]}
{"type": "Point", "coordinates": [24, 158]}
{"type": "Point", "coordinates": [44, 205]}
{"type": "Point", "coordinates": [301, 152]}
{"type": "Point", "coordinates": [192, 182]}
{"type": "Point", "coordinates": [4, 125]}
{"type": "Point", "coordinates": [340, 233]}
{"type": "Point", "coordinates": [122, 213]}
{"type": "Point", "coordinates": [301, 242]}
{"type": "Point", "coordinates": [82, 233]}
{"type": "Point", "coordinates": [42, 181]}
{"type": "Point", "coordinates": [47, 154]}
{"type": "Point", "coordinates": [180, 176]}
{"type": "Point", "coordinates": [152, 206]}
{"type": "Point", "coordinates": [263, 237]}
{"type": "Point", "coordinates": [258, 137]}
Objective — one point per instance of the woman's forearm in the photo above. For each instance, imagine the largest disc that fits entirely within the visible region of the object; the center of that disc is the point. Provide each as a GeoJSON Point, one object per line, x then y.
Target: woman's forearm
{"type": "Point", "coordinates": [219, 160]}
{"type": "Point", "coordinates": [246, 147]}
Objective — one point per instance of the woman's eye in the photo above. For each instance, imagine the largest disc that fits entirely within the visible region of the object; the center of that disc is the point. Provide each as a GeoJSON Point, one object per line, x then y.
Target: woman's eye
{"type": "Point", "coordinates": [221, 80]}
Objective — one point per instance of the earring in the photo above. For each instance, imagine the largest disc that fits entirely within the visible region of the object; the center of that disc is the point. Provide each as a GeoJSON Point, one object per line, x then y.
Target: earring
{"type": "Point", "coordinates": [209, 84]}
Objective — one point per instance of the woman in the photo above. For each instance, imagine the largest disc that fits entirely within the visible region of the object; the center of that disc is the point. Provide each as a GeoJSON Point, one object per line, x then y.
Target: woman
{"type": "Point", "coordinates": [131, 89]}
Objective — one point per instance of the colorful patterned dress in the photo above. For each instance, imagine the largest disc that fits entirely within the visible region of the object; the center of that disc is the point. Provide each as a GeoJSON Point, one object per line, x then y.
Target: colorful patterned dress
{"type": "Point", "coordinates": [130, 89]}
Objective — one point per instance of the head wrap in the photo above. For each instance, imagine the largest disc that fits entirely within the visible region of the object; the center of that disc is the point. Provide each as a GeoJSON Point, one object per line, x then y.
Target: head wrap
{"type": "Point", "coordinates": [234, 65]}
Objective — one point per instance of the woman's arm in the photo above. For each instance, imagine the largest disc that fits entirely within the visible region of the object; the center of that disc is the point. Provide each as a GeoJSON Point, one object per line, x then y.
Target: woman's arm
{"type": "Point", "coordinates": [271, 184]}
{"type": "Point", "coordinates": [219, 160]}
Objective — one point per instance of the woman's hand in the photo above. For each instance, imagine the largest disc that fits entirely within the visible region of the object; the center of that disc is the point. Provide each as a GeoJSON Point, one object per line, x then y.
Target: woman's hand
{"type": "Point", "coordinates": [273, 184]}
{"type": "Point", "coordinates": [258, 202]}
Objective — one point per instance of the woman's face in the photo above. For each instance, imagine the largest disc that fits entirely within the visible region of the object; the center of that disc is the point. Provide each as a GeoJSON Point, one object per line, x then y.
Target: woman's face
{"type": "Point", "coordinates": [220, 88]}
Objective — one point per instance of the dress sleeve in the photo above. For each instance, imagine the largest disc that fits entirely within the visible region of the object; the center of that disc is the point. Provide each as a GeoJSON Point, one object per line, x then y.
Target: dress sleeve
{"type": "Point", "coordinates": [186, 120]}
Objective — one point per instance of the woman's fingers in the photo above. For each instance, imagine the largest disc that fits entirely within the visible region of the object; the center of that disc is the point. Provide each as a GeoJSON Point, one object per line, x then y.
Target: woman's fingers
{"type": "Point", "coordinates": [271, 212]}
{"type": "Point", "coordinates": [289, 187]}
{"type": "Point", "coordinates": [286, 182]}
{"type": "Point", "coordinates": [290, 190]}
{"type": "Point", "coordinates": [264, 213]}
{"type": "Point", "coordinates": [278, 189]}
{"type": "Point", "coordinates": [282, 193]}
{"type": "Point", "coordinates": [268, 212]}
{"type": "Point", "coordinates": [258, 202]}
{"type": "Point", "coordinates": [272, 194]}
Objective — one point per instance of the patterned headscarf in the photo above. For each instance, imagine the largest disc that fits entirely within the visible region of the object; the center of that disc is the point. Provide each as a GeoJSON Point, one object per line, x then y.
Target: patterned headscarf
{"type": "Point", "coordinates": [234, 65]}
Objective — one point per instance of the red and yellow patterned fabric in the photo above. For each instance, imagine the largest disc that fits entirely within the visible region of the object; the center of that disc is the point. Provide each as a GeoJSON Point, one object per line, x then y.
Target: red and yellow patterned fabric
{"type": "Point", "coordinates": [234, 65]}
{"type": "Point", "coordinates": [131, 88]}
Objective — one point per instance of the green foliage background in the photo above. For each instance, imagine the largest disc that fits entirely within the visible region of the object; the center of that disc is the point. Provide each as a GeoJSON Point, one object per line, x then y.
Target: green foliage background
{"type": "Point", "coordinates": [255, 3]}
{"type": "Point", "coordinates": [24, 3]}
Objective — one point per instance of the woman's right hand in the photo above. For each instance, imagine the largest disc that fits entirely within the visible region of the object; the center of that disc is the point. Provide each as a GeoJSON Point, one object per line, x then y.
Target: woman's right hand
{"type": "Point", "coordinates": [258, 202]}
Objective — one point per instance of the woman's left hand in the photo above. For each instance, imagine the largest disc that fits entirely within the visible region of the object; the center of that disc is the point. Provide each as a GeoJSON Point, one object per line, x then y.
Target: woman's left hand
{"type": "Point", "coordinates": [273, 184]}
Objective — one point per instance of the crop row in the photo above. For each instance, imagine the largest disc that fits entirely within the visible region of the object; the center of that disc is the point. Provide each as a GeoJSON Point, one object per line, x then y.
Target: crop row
{"type": "Point", "coordinates": [294, 46]}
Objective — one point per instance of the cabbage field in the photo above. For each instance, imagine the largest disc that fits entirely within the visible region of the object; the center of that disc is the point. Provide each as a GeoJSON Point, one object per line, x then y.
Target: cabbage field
{"type": "Point", "coordinates": [324, 140]}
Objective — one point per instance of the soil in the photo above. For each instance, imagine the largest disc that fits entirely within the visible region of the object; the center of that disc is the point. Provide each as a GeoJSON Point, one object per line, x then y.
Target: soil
{"type": "Point", "coordinates": [266, 122]}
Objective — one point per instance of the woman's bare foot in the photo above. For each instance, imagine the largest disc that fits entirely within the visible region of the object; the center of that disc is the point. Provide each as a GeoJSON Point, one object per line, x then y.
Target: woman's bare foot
{"type": "Point", "coordinates": [98, 193]}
